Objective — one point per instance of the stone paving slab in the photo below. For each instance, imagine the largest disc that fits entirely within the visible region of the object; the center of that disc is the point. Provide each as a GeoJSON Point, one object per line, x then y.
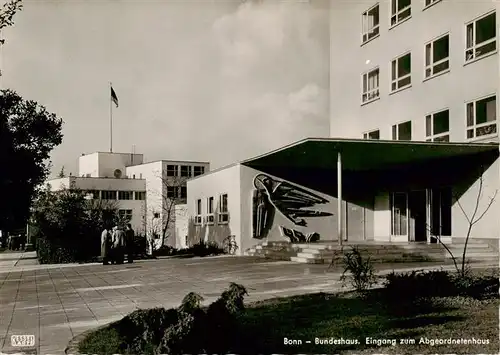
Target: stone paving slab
{"type": "Point", "coordinates": [57, 302]}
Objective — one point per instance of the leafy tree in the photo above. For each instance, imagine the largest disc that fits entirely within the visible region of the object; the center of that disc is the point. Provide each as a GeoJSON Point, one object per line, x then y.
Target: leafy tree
{"type": "Point", "coordinates": [7, 12]}
{"type": "Point", "coordinates": [9, 9]}
{"type": "Point", "coordinates": [28, 133]}
{"type": "Point", "coordinates": [68, 220]}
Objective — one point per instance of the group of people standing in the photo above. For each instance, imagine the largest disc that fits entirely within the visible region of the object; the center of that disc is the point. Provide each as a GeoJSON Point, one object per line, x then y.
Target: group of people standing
{"type": "Point", "coordinates": [115, 243]}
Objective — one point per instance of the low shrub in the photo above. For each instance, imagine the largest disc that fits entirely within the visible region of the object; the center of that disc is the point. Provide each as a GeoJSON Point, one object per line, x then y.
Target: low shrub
{"type": "Point", "coordinates": [189, 329]}
{"type": "Point", "coordinates": [358, 271]}
{"type": "Point", "coordinates": [203, 248]}
{"type": "Point", "coordinates": [199, 249]}
{"type": "Point", "coordinates": [478, 287]}
{"type": "Point", "coordinates": [140, 244]}
{"type": "Point", "coordinates": [223, 328]}
{"type": "Point", "coordinates": [103, 341]}
{"type": "Point", "coordinates": [165, 250]}
{"type": "Point", "coordinates": [58, 252]}
{"type": "Point", "coordinates": [415, 285]}
{"type": "Point", "coordinates": [144, 328]}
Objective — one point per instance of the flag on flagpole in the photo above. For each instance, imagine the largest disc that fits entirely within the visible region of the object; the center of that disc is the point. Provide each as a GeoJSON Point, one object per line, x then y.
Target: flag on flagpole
{"type": "Point", "coordinates": [114, 98]}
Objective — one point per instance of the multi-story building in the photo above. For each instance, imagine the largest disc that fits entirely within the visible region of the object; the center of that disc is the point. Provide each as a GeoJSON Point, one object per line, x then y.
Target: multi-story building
{"type": "Point", "coordinates": [418, 71]}
{"type": "Point", "coordinates": [413, 153]}
{"type": "Point", "coordinates": [165, 188]}
{"type": "Point", "coordinates": [415, 70]}
{"type": "Point", "coordinates": [103, 176]}
{"type": "Point", "coordinates": [146, 193]}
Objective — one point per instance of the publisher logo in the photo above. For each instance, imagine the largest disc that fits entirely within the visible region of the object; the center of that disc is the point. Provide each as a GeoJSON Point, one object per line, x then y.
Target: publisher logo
{"type": "Point", "coordinates": [22, 340]}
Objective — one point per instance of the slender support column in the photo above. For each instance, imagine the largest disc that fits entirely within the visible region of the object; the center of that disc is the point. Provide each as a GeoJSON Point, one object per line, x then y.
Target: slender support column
{"type": "Point", "coordinates": [339, 198]}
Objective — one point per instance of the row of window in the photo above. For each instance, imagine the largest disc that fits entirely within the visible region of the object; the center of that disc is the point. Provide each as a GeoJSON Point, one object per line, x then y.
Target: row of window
{"type": "Point", "coordinates": [222, 214]}
{"type": "Point", "coordinates": [481, 41]}
{"type": "Point", "coordinates": [176, 192]}
{"type": "Point", "coordinates": [479, 32]}
{"type": "Point", "coordinates": [116, 195]}
{"type": "Point", "coordinates": [185, 170]}
{"type": "Point", "coordinates": [481, 117]}
{"type": "Point", "coordinates": [400, 11]}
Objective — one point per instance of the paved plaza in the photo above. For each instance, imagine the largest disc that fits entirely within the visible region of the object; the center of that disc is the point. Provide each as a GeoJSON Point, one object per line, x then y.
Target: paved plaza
{"type": "Point", "coordinates": [57, 302]}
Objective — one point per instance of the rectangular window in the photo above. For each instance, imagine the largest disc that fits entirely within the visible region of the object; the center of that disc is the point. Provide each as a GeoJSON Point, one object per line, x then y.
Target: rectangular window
{"type": "Point", "coordinates": [223, 216]}
{"type": "Point", "coordinates": [108, 195]}
{"type": "Point", "coordinates": [370, 85]}
{"type": "Point", "coordinates": [482, 117]}
{"type": "Point", "coordinates": [125, 195]}
{"type": "Point", "coordinates": [430, 2]}
{"type": "Point", "coordinates": [184, 192]}
{"type": "Point", "coordinates": [401, 72]}
{"type": "Point", "coordinates": [437, 56]}
{"type": "Point", "coordinates": [197, 210]}
{"type": "Point", "coordinates": [172, 192]}
{"type": "Point", "coordinates": [198, 170]}
{"type": "Point", "coordinates": [400, 11]}
{"type": "Point", "coordinates": [185, 171]}
{"type": "Point", "coordinates": [210, 210]}
{"type": "Point", "coordinates": [140, 195]}
{"type": "Point", "coordinates": [481, 37]}
{"type": "Point", "coordinates": [437, 127]}
{"type": "Point", "coordinates": [125, 215]}
{"type": "Point", "coordinates": [402, 131]}
{"type": "Point", "coordinates": [372, 135]}
{"type": "Point", "coordinates": [370, 23]}
{"type": "Point", "coordinates": [172, 170]}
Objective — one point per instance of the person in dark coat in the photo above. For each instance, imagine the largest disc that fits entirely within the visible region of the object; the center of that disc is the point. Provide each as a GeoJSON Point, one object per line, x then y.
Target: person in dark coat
{"type": "Point", "coordinates": [106, 246]}
{"type": "Point", "coordinates": [129, 243]}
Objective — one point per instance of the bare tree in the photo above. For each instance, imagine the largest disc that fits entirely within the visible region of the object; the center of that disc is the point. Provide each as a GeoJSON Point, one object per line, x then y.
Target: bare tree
{"type": "Point", "coordinates": [472, 220]}
{"type": "Point", "coordinates": [174, 193]}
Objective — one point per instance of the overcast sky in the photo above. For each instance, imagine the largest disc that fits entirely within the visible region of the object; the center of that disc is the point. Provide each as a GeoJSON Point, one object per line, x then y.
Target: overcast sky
{"type": "Point", "coordinates": [203, 80]}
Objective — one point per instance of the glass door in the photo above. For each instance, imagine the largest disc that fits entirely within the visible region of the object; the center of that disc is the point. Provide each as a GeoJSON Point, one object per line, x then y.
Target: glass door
{"type": "Point", "coordinates": [399, 214]}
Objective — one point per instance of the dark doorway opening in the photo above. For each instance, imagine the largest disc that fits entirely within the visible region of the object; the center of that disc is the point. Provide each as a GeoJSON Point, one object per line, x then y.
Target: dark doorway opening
{"type": "Point", "coordinates": [418, 215]}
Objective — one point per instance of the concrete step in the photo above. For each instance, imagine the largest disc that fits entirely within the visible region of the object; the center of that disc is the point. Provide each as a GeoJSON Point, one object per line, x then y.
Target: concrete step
{"type": "Point", "coordinates": [472, 246]}
{"type": "Point", "coordinates": [298, 259]}
{"type": "Point", "coordinates": [476, 255]}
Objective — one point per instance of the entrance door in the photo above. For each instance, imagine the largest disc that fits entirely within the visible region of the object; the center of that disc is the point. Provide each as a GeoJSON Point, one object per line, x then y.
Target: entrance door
{"type": "Point", "coordinates": [399, 215]}
{"type": "Point", "coordinates": [440, 213]}
{"type": "Point", "coordinates": [418, 216]}
{"type": "Point", "coordinates": [355, 222]}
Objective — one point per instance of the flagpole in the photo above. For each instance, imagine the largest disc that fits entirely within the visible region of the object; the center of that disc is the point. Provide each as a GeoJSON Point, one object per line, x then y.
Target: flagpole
{"type": "Point", "coordinates": [110, 119]}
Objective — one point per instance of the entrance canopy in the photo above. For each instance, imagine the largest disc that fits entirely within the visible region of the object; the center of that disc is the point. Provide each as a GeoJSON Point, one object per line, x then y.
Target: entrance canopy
{"type": "Point", "coordinates": [362, 154]}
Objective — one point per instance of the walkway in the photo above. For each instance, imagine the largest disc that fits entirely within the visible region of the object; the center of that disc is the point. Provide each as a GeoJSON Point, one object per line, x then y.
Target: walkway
{"type": "Point", "coordinates": [56, 302]}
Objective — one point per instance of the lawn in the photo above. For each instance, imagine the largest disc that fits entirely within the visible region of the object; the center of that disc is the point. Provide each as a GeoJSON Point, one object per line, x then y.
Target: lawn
{"type": "Point", "coordinates": [347, 322]}
{"type": "Point", "coordinates": [336, 317]}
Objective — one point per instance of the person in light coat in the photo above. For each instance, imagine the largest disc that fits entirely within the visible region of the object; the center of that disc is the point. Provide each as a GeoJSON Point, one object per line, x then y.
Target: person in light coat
{"type": "Point", "coordinates": [106, 245]}
{"type": "Point", "coordinates": [118, 245]}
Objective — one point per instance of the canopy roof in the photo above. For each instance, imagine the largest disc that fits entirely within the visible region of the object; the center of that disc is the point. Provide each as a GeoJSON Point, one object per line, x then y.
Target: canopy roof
{"type": "Point", "coordinates": [362, 154]}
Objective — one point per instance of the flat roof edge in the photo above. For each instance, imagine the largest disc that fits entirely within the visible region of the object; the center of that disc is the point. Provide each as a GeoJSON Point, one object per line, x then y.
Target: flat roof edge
{"type": "Point", "coordinates": [371, 141]}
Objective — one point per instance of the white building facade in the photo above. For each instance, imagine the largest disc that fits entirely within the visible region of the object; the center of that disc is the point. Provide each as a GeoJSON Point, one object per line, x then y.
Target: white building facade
{"type": "Point", "coordinates": [419, 71]}
{"type": "Point", "coordinates": [414, 70]}
{"type": "Point", "coordinates": [146, 193]}
{"type": "Point", "coordinates": [128, 194]}
{"type": "Point", "coordinates": [165, 188]}
{"type": "Point", "coordinates": [414, 138]}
